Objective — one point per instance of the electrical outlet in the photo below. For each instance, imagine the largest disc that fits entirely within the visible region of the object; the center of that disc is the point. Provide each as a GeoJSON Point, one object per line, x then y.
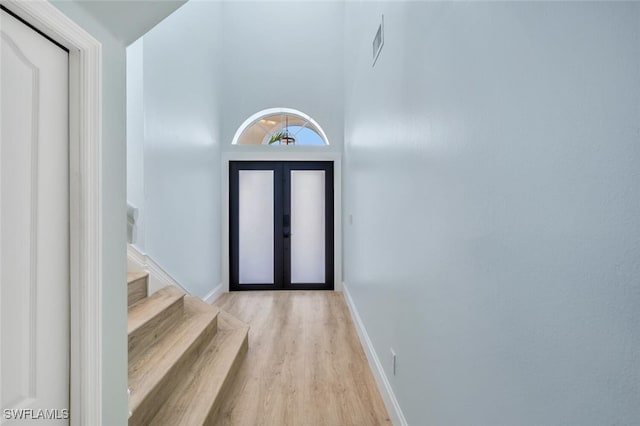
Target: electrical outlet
{"type": "Point", "coordinates": [393, 361]}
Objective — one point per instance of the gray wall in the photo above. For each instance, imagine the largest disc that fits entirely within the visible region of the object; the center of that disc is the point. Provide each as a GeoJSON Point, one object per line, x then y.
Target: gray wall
{"type": "Point", "coordinates": [283, 54]}
{"type": "Point", "coordinates": [203, 54]}
{"type": "Point", "coordinates": [114, 294]}
{"type": "Point", "coordinates": [491, 173]}
{"type": "Point", "coordinates": [182, 145]}
{"type": "Point", "coordinates": [491, 170]}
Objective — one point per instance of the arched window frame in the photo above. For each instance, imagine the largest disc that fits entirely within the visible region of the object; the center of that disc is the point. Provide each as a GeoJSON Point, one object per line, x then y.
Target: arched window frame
{"type": "Point", "coordinates": [255, 118]}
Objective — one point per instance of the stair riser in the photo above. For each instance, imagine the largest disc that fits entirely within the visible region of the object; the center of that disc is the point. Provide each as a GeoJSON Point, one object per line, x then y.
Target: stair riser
{"type": "Point", "coordinates": [155, 329]}
{"type": "Point", "coordinates": [150, 405]}
{"type": "Point", "coordinates": [137, 290]}
{"type": "Point", "coordinates": [215, 408]}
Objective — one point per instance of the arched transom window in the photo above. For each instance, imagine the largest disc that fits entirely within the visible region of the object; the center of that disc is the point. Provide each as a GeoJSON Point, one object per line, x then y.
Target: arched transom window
{"type": "Point", "coordinates": [280, 126]}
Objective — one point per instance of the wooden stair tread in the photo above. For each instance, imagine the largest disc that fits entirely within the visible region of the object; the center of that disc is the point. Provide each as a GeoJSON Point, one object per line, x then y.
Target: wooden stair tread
{"type": "Point", "coordinates": [141, 312]}
{"type": "Point", "coordinates": [135, 276]}
{"type": "Point", "coordinates": [197, 397]}
{"type": "Point", "coordinates": [152, 318]}
{"type": "Point", "coordinates": [137, 287]}
{"type": "Point", "coordinates": [198, 326]}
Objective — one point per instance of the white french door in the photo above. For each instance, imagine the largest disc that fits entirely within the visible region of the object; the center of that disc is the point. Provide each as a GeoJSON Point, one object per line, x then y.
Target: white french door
{"type": "Point", "coordinates": [34, 227]}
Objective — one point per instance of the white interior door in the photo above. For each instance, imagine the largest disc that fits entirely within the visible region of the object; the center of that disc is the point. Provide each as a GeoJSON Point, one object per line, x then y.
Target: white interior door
{"type": "Point", "coordinates": [34, 227]}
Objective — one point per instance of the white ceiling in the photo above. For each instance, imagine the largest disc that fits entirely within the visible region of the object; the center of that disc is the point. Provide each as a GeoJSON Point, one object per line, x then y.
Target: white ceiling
{"type": "Point", "coordinates": [129, 20]}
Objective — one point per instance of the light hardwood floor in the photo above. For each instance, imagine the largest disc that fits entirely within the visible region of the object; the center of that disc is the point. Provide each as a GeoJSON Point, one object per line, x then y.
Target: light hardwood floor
{"type": "Point", "coordinates": [305, 364]}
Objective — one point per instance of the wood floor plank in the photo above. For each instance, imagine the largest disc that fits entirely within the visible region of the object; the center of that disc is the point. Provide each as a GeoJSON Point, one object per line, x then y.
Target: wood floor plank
{"type": "Point", "coordinates": [304, 366]}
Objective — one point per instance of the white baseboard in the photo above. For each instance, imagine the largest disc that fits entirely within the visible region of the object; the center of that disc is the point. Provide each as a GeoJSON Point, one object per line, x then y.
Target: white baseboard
{"type": "Point", "coordinates": [390, 401]}
{"type": "Point", "coordinates": [158, 277]}
{"type": "Point", "coordinates": [136, 260]}
{"type": "Point", "coordinates": [214, 294]}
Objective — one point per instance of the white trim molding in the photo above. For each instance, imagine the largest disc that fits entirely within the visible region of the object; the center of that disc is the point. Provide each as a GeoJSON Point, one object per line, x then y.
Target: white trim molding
{"type": "Point", "coordinates": [85, 191]}
{"type": "Point", "coordinates": [158, 277]}
{"type": "Point", "coordinates": [136, 260]}
{"type": "Point", "coordinates": [390, 401]}
{"type": "Point", "coordinates": [214, 294]}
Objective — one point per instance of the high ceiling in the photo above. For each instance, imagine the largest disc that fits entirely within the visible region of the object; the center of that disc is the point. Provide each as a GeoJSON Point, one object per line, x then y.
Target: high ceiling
{"type": "Point", "coordinates": [129, 20]}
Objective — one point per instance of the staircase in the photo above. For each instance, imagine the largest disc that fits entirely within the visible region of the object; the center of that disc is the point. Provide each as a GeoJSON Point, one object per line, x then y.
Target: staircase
{"type": "Point", "coordinates": [183, 355]}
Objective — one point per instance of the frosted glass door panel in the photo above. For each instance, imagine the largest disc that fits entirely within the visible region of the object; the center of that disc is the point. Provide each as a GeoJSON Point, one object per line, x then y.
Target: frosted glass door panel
{"type": "Point", "coordinates": [307, 226]}
{"type": "Point", "coordinates": [256, 226]}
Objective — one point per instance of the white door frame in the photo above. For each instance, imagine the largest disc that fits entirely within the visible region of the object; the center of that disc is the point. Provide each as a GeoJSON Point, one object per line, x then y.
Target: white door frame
{"type": "Point", "coordinates": [85, 192]}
